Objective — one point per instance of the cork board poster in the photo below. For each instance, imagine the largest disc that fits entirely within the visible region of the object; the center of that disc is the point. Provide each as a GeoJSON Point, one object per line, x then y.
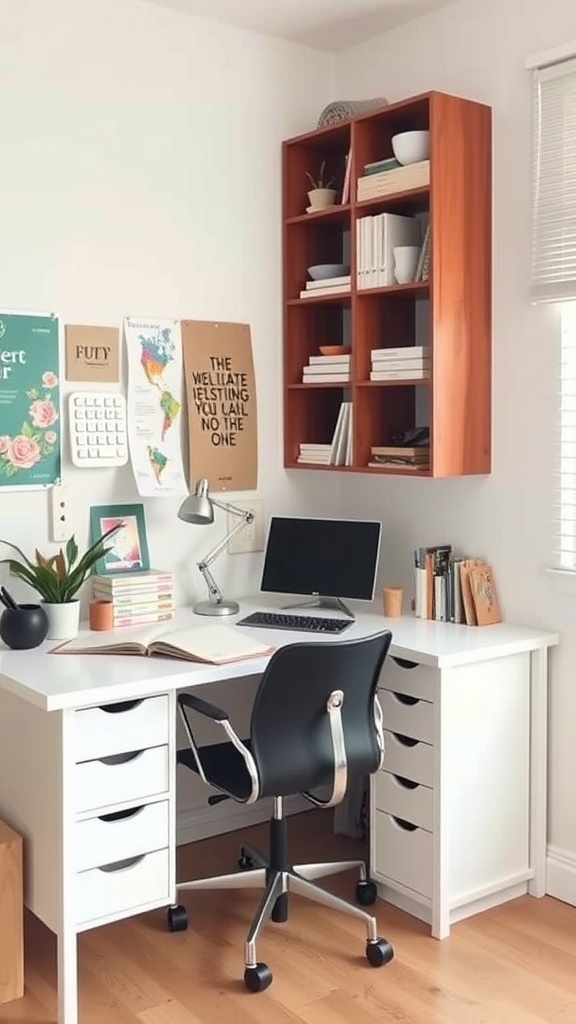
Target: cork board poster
{"type": "Point", "coordinates": [222, 408]}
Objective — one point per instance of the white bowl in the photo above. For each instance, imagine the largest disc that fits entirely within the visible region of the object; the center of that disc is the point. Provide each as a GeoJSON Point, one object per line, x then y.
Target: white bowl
{"type": "Point", "coordinates": [323, 270]}
{"type": "Point", "coordinates": [411, 147]}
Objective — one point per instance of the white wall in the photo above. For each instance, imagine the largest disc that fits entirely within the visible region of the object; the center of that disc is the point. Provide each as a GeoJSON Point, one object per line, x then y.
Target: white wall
{"type": "Point", "coordinates": [478, 50]}
{"type": "Point", "coordinates": [140, 175]}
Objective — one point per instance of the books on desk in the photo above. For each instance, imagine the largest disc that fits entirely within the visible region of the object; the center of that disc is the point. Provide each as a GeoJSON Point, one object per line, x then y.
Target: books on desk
{"type": "Point", "coordinates": [137, 598]}
{"type": "Point", "coordinates": [213, 645]}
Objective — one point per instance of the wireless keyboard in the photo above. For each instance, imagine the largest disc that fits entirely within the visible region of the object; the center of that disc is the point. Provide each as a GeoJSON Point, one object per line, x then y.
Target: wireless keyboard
{"type": "Point", "coordinates": [304, 623]}
{"type": "Point", "coordinates": [98, 435]}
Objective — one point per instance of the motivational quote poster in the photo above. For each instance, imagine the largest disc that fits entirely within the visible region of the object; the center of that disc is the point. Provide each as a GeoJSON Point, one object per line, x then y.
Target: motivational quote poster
{"type": "Point", "coordinates": [222, 408]}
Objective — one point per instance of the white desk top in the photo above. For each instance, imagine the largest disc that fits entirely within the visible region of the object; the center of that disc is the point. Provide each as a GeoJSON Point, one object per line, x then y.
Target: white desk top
{"type": "Point", "coordinates": [53, 682]}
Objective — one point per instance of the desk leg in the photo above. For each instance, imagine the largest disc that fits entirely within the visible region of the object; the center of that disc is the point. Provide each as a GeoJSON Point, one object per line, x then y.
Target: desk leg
{"type": "Point", "coordinates": [538, 769]}
{"type": "Point", "coordinates": [67, 977]}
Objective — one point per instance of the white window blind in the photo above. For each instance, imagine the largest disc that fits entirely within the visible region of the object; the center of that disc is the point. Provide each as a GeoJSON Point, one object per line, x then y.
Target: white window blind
{"type": "Point", "coordinates": [554, 226]}
{"type": "Point", "coordinates": [564, 532]}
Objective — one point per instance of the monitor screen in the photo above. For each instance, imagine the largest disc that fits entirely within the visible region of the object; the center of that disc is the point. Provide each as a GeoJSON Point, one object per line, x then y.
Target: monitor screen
{"type": "Point", "coordinates": [322, 557]}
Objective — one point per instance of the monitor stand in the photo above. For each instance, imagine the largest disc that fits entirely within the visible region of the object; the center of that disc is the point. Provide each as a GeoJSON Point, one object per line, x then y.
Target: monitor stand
{"type": "Point", "coordinates": [334, 603]}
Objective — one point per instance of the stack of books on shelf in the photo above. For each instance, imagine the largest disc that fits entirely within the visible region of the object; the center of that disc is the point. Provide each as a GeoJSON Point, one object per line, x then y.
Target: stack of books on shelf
{"type": "Point", "coordinates": [339, 451]}
{"type": "Point", "coordinates": [452, 588]}
{"type": "Point", "coordinates": [327, 286]}
{"type": "Point", "coordinates": [327, 370]}
{"type": "Point", "coordinates": [405, 457]}
{"type": "Point", "coordinates": [376, 238]}
{"type": "Point", "coordinates": [411, 362]}
{"type": "Point", "coordinates": [137, 597]}
{"type": "Point", "coordinates": [392, 177]}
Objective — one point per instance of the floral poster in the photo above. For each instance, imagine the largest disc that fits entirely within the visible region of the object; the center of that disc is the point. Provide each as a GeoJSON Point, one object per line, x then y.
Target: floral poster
{"type": "Point", "coordinates": [29, 400]}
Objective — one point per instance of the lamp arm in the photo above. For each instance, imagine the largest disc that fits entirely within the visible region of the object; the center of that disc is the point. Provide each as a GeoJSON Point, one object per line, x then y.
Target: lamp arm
{"type": "Point", "coordinates": [203, 566]}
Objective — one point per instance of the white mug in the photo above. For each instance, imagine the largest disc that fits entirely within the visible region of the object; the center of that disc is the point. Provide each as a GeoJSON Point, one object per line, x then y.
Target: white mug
{"type": "Point", "coordinates": [405, 262]}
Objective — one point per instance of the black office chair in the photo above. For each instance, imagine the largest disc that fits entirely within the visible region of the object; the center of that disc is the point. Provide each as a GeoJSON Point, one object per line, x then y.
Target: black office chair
{"type": "Point", "coordinates": [316, 721]}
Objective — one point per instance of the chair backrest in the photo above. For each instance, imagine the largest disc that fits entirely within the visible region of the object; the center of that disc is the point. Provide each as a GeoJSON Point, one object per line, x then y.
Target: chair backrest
{"type": "Point", "coordinates": [290, 730]}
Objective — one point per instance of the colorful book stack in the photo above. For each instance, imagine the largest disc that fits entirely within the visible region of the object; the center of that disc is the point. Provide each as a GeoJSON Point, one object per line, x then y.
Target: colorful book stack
{"type": "Point", "coordinates": [411, 362]}
{"type": "Point", "coordinates": [327, 370]}
{"type": "Point", "coordinates": [327, 286]}
{"type": "Point", "coordinates": [137, 597]}
{"type": "Point", "coordinates": [388, 177]}
{"type": "Point", "coordinates": [408, 456]}
{"type": "Point", "coordinates": [452, 588]}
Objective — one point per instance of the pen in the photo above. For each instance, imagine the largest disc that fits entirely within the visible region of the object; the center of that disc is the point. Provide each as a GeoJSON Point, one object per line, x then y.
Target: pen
{"type": "Point", "coordinates": [7, 599]}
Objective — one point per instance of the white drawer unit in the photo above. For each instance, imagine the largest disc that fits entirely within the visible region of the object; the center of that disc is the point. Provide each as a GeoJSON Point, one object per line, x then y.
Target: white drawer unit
{"type": "Point", "coordinates": [120, 778]}
{"type": "Point", "coordinates": [450, 828]}
{"type": "Point", "coordinates": [120, 727]}
{"type": "Point", "coordinates": [404, 799]}
{"type": "Point", "coordinates": [122, 834]}
{"type": "Point", "coordinates": [410, 758]}
{"type": "Point", "coordinates": [408, 716]}
{"type": "Point", "coordinates": [124, 885]}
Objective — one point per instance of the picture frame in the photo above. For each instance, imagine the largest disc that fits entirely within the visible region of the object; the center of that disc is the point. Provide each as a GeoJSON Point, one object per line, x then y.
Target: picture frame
{"type": "Point", "coordinates": [129, 546]}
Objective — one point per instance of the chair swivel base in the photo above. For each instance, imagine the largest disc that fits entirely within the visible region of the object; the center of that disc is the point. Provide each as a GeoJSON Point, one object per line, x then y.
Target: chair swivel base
{"type": "Point", "coordinates": [277, 883]}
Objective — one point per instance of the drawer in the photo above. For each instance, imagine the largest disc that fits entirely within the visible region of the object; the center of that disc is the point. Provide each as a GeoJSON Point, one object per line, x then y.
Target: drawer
{"type": "Point", "coordinates": [403, 853]}
{"type": "Point", "coordinates": [123, 834]}
{"type": "Point", "coordinates": [112, 781]}
{"type": "Point", "coordinates": [410, 678]}
{"type": "Point", "coordinates": [120, 727]}
{"type": "Point", "coordinates": [123, 886]}
{"type": "Point", "coordinates": [409, 758]}
{"type": "Point", "coordinates": [405, 799]}
{"type": "Point", "coordinates": [407, 715]}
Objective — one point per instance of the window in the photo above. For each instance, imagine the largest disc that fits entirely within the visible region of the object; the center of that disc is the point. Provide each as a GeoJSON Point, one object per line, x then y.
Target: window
{"type": "Point", "coordinates": [554, 265]}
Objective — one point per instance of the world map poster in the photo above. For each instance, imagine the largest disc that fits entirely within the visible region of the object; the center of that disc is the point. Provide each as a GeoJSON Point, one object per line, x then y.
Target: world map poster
{"type": "Point", "coordinates": [29, 400]}
{"type": "Point", "coordinates": [154, 405]}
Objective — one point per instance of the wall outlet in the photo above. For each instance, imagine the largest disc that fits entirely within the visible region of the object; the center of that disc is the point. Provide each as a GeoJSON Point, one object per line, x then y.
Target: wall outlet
{"type": "Point", "coordinates": [60, 521]}
{"type": "Point", "coordinates": [251, 537]}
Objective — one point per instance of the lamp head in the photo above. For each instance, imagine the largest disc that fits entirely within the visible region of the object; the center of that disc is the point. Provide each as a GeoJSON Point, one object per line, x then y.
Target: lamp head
{"type": "Point", "coordinates": [197, 507]}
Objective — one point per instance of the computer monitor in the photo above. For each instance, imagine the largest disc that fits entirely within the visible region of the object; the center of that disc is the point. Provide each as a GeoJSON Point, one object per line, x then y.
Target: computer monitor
{"type": "Point", "coordinates": [327, 559]}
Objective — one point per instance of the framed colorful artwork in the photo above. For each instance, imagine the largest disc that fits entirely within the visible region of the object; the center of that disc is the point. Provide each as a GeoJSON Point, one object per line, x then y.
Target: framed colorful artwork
{"type": "Point", "coordinates": [129, 547]}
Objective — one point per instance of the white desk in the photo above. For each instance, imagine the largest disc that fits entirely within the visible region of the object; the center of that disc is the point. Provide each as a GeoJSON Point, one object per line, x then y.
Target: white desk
{"type": "Point", "coordinates": [69, 755]}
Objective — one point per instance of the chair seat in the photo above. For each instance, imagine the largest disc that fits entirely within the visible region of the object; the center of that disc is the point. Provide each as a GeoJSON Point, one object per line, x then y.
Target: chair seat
{"type": "Point", "coordinates": [223, 766]}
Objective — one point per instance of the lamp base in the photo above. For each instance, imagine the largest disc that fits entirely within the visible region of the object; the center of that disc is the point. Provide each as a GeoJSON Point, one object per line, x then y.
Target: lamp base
{"type": "Point", "coordinates": [222, 608]}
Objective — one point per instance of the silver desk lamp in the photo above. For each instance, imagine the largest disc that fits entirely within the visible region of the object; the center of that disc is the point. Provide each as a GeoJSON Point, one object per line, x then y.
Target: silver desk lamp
{"type": "Point", "coordinates": [198, 508]}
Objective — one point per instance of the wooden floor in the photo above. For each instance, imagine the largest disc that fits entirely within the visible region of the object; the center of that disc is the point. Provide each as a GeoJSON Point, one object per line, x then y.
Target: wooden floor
{"type": "Point", "coordinates": [512, 965]}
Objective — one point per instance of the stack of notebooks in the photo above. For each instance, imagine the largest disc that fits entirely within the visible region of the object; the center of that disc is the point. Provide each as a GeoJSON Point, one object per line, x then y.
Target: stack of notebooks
{"type": "Point", "coordinates": [327, 286]}
{"type": "Point", "coordinates": [406, 457]}
{"type": "Point", "coordinates": [389, 177]}
{"type": "Point", "coordinates": [450, 588]}
{"type": "Point", "coordinates": [137, 597]}
{"type": "Point", "coordinates": [327, 370]}
{"type": "Point", "coordinates": [410, 362]}
{"type": "Point", "coordinates": [339, 451]}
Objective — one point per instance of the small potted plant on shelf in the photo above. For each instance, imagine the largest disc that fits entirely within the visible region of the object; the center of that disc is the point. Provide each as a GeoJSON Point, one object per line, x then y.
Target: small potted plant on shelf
{"type": "Point", "coordinates": [58, 578]}
{"type": "Point", "coordinates": [322, 193]}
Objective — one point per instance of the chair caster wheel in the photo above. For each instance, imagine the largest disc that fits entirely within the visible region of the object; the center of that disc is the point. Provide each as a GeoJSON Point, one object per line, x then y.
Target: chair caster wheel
{"type": "Point", "coordinates": [366, 893]}
{"type": "Point", "coordinates": [177, 919]}
{"type": "Point", "coordinates": [258, 978]}
{"type": "Point", "coordinates": [245, 863]}
{"type": "Point", "coordinates": [379, 953]}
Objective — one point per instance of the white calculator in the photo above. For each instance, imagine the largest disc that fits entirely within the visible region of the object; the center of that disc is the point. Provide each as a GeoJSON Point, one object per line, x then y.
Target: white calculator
{"type": "Point", "coordinates": [98, 437]}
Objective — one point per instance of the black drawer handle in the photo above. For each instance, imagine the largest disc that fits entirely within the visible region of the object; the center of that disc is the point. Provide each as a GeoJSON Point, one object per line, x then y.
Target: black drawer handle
{"type": "Point", "coordinates": [121, 758]}
{"type": "Point", "coordinates": [121, 865]}
{"type": "Point", "coordinates": [121, 815]}
{"type": "Point", "coordinates": [403, 663]}
{"type": "Point", "coordinates": [121, 706]}
{"type": "Point", "coordinates": [407, 826]}
{"type": "Point", "coordinates": [406, 783]}
{"type": "Point", "coordinates": [406, 741]}
{"type": "Point", "coordinates": [404, 698]}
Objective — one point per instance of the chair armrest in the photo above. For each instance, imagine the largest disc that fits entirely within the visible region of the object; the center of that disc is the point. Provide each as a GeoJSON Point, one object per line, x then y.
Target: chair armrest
{"type": "Point", "coordinates": [203, 707]}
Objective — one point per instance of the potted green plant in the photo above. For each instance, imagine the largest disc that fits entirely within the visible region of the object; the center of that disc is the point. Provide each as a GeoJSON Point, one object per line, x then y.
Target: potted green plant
{"type": "Point", "coordinates": [322, 193]}
{"type": "Point", "coordinates": [58, 578]}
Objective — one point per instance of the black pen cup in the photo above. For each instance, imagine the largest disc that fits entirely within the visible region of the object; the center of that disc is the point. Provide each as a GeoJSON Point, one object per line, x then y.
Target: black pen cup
{"type": "Point", "coordinates": [23, 627]}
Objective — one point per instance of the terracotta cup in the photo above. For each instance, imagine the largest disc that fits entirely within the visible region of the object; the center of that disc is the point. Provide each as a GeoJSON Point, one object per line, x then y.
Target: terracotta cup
{"type": "Point", "coordinates": [392, 602]}
{"type": "Point", "coordinates": [101, 615]}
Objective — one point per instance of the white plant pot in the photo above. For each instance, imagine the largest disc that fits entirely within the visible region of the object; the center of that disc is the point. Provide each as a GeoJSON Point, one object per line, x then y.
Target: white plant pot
{"type": "Point", "coordinates": [322, 197]}
{"type": "Point", "coordinates": [63, 620]}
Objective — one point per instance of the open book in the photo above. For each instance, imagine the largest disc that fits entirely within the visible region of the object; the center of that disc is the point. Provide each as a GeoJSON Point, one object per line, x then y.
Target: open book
{"type": "Point", "coordinates": [212, 644]}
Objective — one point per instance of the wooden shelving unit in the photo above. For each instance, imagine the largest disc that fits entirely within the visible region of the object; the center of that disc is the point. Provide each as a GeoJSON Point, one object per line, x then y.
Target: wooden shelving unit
{"type": "Point", "coordinates": [450, 312]}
